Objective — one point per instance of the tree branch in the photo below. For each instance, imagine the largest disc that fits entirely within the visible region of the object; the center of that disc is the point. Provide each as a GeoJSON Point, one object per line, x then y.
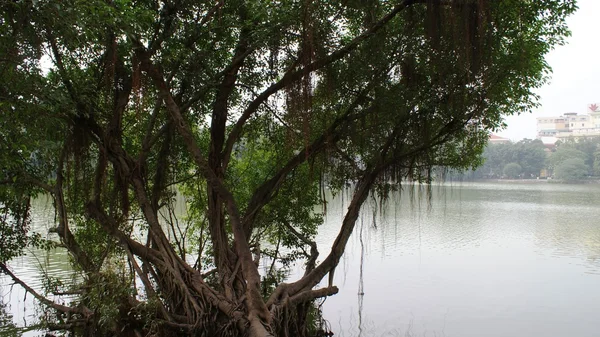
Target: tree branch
{"type": "Point", "coordinates": [310, 295]}
{"type": "Point", "coordinates": [293, 76]}
{"type": "Point", "coordinates": [110, 225]}
{"type": "Point", "coordinates": [257, 309]}
{"type": "Point", "coordinates": [314, 252]}
{"type": "Point", "coordinates": [84, 311]}
{"type": "Point", "coordinates": [337, 250]}
{"type": "Point", "coordinates": [264, 193]}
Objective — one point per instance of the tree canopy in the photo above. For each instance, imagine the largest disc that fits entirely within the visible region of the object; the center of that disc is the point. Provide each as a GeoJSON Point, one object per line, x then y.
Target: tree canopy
{"type": "Point", "coordinates": [247, 110]}
{"type": "Point", "coordinates": [528, 154]}
{"type": "Point", "coordinates": [512, 170]}
{"type": "Point", "coordinates": [562, 154]}
{"type": "Point", "coordinates": [586, 148]}
{"type": "Point", "coordinates": [533, 156]}
{"type": "Point", "coordinates": [571, 169]}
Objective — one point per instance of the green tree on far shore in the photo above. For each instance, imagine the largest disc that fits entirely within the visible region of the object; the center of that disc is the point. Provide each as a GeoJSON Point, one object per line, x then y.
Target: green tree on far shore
{"type": "Point", "coordinates": [528, 154]}
{"type": "Point", "coordinates": [563, 153]}
{"type": "Point", "coordinates": [596, 168]}
{"type": "Point", "coordinates": [571, 169]}
{"type": "Point", "coordinates": [512, 170]}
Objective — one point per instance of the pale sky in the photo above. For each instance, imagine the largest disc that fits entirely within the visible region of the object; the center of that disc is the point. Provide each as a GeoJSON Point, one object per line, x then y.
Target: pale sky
{"type": "Point", "coordinates": [575, 81]}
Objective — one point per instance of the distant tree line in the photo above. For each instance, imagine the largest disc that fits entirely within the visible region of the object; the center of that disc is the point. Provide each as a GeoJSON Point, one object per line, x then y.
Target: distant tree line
{"type": "Point", "coordinates": [570, 159]}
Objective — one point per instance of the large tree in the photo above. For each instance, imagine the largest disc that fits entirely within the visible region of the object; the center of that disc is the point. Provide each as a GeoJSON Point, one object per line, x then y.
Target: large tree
{"type": "Point", "coordinates": [246, 110]}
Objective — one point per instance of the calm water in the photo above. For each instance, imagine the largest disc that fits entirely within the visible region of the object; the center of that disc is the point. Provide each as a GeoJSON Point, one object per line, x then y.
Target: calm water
{"type": "Point", "coordinates": [481, 260]}
{"type": "Point", "coordinates": [478, 260]}
{"type": "Point", "coordinates": [15, 304]}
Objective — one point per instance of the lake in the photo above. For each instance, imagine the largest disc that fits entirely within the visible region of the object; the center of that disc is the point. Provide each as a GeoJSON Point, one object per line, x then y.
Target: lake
{"type": "Point", "coordinates": [479, 259]}
{"type": "Point", "coordinates": [474, 259]}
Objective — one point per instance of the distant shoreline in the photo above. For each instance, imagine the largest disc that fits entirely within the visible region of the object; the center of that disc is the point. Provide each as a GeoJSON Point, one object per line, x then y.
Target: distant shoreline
{"type": "Point", "coordinates": [535, 181]}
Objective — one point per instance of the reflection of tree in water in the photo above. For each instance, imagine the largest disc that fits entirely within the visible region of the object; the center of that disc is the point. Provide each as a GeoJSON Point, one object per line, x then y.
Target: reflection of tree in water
{"type": "Point", "coordinates": [7, 327]}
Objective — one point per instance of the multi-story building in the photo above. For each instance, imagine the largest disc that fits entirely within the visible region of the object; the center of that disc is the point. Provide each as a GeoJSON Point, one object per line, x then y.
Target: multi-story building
{"type": "Point", "coordinates": [570, 124]}
{"type": "Point", "coordinates": [551, 126]}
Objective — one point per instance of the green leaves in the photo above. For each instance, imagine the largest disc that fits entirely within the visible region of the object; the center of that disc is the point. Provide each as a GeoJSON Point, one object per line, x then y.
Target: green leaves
{"type": "Point", "coordinates": [562, 154]}
{"type": "Point", "coordinates": [571, 169]}
{"type": "Point", "coordinates": [529, 154]}
{"type": "Point", "coordinates": [14, 224]}
{"type": "Point", "coordinates": [306, 95]}
{"type": "Point", "coordinates": [512, 170]}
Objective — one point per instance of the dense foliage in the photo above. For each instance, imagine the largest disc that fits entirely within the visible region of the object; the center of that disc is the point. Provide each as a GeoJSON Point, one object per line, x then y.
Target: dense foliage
{"type": "Point", "coordinates": [571, 169]}
{"type": "Point", "coordinates": [587, 148]}
{"type": "Point", "coordinates": [512, 170]}
{"type": "Point", "coordinates": [534, 159]}
{"type": "Point", "coordinates": [244, 111]}
{"type": "Point", "coordinates": [500, 160]}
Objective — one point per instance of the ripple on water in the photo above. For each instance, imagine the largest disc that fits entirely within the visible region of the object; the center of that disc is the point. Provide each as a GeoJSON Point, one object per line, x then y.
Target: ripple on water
{"type": "Point", "coordinates": [30, 268]}
{"type": "Point", "coordinates": [495, 260]}
{"type": "Point", "coordinates": [479, 259]}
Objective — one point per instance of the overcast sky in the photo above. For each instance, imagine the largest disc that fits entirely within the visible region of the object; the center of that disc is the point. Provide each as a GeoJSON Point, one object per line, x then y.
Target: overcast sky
{"type": "Point", "coordinates": [575, 79]}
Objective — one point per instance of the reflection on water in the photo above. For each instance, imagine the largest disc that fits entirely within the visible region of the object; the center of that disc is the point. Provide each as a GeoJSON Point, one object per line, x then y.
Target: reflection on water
{"type": "Point", "coordinates": [479, 260]}
{"type": "Point", "coordinates": [17, 304]}
{"type": "Point", "coordinates": [514, 260]}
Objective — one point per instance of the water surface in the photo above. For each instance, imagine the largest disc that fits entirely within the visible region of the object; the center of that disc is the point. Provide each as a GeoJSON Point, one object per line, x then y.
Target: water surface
{"type": "Point", "coordinates": [477, 259]}
{"type": "Point", "coordinates": [515, 260]}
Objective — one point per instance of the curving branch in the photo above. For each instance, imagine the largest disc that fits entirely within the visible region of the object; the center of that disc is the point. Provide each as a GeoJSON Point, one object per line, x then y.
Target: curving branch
{"type": "Point", "coordinates": [293, 76]}
{"type": "Point", "coordinates": [110, 225]}
{"type": "Point", "coordinates": [314, 252]}
{"type": "Point", "coordinates": [257, 310]}
{"type": "Point", "coordinates": [62, 308]}
{"type": "Point", "coordinates": [387, 158]}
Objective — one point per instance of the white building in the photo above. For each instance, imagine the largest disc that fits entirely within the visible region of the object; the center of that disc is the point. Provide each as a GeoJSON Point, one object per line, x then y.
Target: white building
{"type": "Point", "coordinates": [551, 126]}
{"type": "Point", "coordinates": [571, 124]}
